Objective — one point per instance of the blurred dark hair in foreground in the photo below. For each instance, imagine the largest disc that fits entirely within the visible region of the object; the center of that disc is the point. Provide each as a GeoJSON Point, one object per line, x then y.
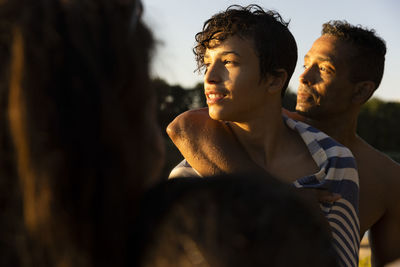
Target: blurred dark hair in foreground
{"type": "Point", "coordinates": [78, 136]}
{"type": "Point", "coordinates": [242, 220]}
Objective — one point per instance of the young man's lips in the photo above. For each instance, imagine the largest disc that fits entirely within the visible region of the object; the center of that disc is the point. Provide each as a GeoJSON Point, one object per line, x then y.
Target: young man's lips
{"type": "Point", "coordinates": [214, 97]}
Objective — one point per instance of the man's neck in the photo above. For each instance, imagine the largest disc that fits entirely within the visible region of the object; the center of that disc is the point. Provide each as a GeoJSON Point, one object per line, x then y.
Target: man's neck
{"type": "Point", "coordinates": [341, 128]}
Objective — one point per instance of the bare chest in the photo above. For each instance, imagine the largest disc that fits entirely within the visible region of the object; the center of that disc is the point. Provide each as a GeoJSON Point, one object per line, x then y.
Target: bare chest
{"type": "Point", "coordinates": [292, 167]}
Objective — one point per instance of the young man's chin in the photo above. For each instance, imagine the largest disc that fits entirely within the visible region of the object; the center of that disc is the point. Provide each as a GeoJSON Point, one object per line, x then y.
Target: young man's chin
{"type": "Point", "coordinates": [215, 113]}
{"type": "Point", "coordinates": [224, 113]}
{"type": "Point", "coordinates": [215, 116]}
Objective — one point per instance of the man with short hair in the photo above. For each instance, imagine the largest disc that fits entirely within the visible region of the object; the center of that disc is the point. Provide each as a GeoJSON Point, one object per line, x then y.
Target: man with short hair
{"type": "Point", "coordinates": [249, 56]}
{"type": "Point", "coordinates": [342, 70]}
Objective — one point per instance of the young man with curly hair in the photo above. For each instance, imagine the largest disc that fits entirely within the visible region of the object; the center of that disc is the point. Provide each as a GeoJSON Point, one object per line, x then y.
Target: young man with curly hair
{"type": "Point", "coordinates": [249, 56]}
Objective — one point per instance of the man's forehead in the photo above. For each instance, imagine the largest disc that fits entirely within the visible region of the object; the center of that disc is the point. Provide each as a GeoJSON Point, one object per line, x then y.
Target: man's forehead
{"type": "Point", "coordinates": [329, 48]}
{"type": "Point", "coordinates": [312, 56]}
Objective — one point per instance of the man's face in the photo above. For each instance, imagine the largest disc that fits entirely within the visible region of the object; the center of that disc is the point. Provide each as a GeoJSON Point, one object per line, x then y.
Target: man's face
{"type": "Point", "coordinates": [232, 80]}
{"type": "Point", "coordinates": [325, 89]}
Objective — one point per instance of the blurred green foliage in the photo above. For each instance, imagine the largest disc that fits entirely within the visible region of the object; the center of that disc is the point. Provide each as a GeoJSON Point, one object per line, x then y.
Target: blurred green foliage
{"type": "Point", "coordinates": [377, 123]}
{"type": "Point", "coordinates": [172, 100]}
{"type": "Point", "coordinates": [365, 262]}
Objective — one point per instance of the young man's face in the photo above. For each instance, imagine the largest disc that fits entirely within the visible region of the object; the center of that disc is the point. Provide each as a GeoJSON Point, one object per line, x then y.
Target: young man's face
{"type": "Point", "coordinates": [232, 80]}
{"type": "Point", "coordinates": [325, 89]}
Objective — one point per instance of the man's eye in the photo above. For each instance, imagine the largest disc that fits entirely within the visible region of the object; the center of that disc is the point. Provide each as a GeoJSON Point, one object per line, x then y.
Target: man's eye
{"type": "Point", "coordinates": [305, 67]}
{"type": "Point", "coordinates": [326, 69]}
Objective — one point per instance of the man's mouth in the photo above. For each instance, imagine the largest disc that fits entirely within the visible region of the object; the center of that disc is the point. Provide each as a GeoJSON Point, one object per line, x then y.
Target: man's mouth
{"type": "Point", "coordinates": [306, 94]}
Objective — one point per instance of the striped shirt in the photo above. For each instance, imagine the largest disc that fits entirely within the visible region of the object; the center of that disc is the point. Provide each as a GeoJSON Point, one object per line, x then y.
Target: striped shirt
{"type": "Point", "coordinates": [338, 174]}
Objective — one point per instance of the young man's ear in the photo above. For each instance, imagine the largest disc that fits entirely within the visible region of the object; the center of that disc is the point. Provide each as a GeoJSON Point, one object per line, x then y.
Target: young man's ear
{"type": "Point", "coordinates": [363, 91]}
{"type": "Point", "coordinates": [276, 80]}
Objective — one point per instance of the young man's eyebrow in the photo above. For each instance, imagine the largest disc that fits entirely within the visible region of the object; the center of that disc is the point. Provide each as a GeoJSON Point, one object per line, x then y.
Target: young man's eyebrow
{"type": "Point", "coordinates": [230, 52]}
{"type": "Point", "coordinates": [224, 53]}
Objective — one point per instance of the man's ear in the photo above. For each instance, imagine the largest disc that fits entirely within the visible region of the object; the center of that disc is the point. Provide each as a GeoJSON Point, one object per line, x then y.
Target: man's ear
{"type": "Point", "coordinates": [363, 91]}
{"type": "Point", "coordinates": [276, 80]}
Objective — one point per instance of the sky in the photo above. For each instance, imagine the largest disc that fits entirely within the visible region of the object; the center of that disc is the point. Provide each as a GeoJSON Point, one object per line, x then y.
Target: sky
{"type": "Point", "coordinates": [175, 22]}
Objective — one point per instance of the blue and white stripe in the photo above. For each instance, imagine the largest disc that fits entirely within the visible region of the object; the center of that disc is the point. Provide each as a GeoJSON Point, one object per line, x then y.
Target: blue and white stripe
{"type": "Point", "coordinates": [338, 173]}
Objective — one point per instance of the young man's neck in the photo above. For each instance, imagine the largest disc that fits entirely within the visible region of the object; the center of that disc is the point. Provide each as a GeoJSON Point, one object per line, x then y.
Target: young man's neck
{"type": "Point", "coordinates": [262, 135]}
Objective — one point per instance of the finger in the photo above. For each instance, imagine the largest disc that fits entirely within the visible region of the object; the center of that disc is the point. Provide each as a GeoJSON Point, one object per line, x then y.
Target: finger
{"type": "Point", "coordinates": [322, 195]}
{"type": "Point", "coordinates": [293, 115]}
{"type": "Point", "coordinates": [327, 197]}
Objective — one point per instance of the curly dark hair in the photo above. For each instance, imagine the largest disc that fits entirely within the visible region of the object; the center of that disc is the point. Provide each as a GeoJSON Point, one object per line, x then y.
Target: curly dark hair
{"type": "Point", "coordinates": [274, 44]}
{"type": "Point", "coordinates": [368, 59]}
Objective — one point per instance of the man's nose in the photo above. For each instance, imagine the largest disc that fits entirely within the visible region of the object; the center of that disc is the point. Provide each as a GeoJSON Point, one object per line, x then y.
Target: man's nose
{"type": "Point", "coordinates": [308, 76]}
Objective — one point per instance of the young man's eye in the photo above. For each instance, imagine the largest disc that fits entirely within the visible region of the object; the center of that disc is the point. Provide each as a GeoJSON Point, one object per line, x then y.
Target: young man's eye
{"type": "Point", "coordinates": [229, 62]}
{"type": "Point", "coordinates": [305, 66]}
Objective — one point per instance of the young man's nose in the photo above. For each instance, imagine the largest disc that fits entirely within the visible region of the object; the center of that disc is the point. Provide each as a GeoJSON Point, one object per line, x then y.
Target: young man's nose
{"type": "Point", "coordinates": [213, 73]}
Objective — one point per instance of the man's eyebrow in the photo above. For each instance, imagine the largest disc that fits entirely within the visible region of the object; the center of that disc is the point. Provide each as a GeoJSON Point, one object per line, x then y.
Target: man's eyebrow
{"type": "Point", "coordinates": [320, 58]}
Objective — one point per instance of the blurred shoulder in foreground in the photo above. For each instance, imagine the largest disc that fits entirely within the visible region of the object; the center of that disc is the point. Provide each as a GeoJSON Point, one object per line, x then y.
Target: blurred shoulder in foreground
{"type": "Point", "coordinates": [236, 220]}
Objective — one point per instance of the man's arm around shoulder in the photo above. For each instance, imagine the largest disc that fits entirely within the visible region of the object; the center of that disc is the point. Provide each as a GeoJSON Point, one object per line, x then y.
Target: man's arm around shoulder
{"type": "Point", "coordinates": [208, 145]}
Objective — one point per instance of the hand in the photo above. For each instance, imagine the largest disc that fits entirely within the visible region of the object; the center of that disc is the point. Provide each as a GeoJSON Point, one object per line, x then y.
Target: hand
{"type": "Point", "coordinates": [293, 115]}
{"type": "Point", "coordinates": [320, 195]}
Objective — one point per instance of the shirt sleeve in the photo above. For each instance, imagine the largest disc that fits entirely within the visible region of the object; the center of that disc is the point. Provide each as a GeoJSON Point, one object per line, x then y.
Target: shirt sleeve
{"type": "Point", "coordinates": [183, 169]}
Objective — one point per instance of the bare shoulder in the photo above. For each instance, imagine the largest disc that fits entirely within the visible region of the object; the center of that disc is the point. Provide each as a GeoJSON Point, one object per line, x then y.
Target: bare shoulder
{"type": "Point", "coordinates": [375, 163]}
{"type": "Point", "coordinates": [190, 120]}
{"type": "Point", "coordinates": [379, 201]}
{"type": "Point", "coordinates": [379, 183]}
{"type": "Point", "coordinates": [208, 145]}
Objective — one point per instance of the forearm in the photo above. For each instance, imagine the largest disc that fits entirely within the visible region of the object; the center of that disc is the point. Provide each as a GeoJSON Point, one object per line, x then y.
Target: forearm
{"type": "Point", "coordinates": [208, 145]}
{"type": "Point", "coordinates": [385, 240]}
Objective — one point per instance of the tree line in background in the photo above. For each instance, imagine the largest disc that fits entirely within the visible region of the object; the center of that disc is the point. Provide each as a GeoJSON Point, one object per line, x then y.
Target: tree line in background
{"type": "Point", "coordinates": [377, 124]}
